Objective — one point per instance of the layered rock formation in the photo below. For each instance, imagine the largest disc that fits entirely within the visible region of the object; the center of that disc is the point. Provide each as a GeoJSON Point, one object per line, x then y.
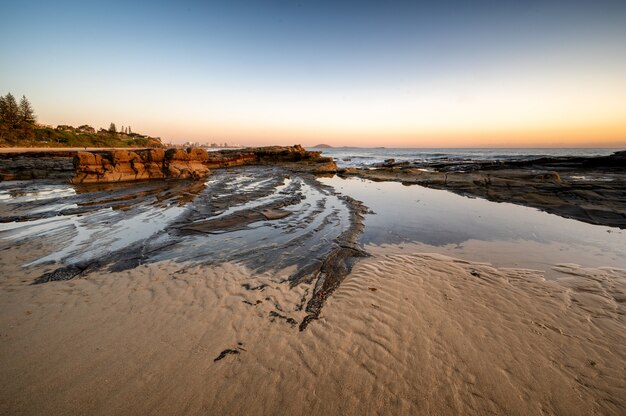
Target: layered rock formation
{"type": "Point", "coordinates": [119, 165]}
{"type": "Point", "coordinates": [191, 163]}
{"type": "Point", "coordinates": [36, 165]}
{"type": "Point", "coordinates": [185, 164]}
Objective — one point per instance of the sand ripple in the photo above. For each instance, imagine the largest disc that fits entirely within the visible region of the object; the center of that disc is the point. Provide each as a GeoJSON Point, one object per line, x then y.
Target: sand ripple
{"type": "Point", "coordinates": [404, 334]}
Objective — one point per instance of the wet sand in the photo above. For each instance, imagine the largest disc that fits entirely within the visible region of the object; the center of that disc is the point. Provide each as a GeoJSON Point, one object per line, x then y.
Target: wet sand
{"type": "Point", "coordinates": [250, 294]}
{"type": "Point", "coordinates": [263, 217]}
{"type": "Point", "coordinates": [404, 334]}
{"type": "Point", "coordinates": [504, 234]}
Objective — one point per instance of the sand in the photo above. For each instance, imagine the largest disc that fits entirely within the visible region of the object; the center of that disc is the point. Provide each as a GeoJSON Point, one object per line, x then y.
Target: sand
{"type": "Point", "coordinates": [408, 333]}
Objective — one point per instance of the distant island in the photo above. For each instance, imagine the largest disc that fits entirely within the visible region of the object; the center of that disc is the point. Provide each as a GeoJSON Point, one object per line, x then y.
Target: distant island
{"type": "Point", "coordinates": [322, 146]}
{"type": "Point", "coordinates": [18, 128]}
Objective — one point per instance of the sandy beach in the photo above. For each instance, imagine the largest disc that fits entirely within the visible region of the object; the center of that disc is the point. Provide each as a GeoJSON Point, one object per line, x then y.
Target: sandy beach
{"type": "Point", "coordinates": [404, 334]}
{"type": "Point", "coordinates": [319, 208]}
{"type": "Point", "coordinates": [265, 290]}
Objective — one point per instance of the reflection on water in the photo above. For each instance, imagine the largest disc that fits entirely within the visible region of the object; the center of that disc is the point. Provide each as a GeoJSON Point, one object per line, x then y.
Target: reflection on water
{"type": "Point", "coordinates": [476, 229]}
{"type": "Point", "coordinates": [31, 191]}
{"type": "Point", "coordinates": [268, 218]}
{"type": "Point", "coordinates": [263, 217]}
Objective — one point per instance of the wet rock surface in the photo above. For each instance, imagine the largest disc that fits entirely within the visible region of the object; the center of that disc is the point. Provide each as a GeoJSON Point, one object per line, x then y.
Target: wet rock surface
{"type": "Point", "coordinates": [589, 189]}
{"type": "Point", "coordinates": [267, 218]}
{"type": "Point", "coordinates": [36, 165]}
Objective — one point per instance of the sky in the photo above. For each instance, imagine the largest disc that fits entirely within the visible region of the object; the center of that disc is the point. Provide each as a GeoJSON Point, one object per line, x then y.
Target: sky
{"type": "Point", "coordinates": [352, 73]}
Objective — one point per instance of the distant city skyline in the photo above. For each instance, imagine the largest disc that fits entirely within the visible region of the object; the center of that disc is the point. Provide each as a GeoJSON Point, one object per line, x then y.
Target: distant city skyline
{"type": "Point", "coordinates": [366, 73]}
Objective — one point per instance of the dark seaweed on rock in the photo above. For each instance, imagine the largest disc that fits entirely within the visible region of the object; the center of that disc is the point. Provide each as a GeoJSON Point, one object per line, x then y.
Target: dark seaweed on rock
{"type": "Point", "coordinates": [63, 273]}
{"type": "Point", "coordinates": [66, 273]}
{"type": "Point", "coordinates": [290, 321]}
{"type": "Point", "coordinates": [224, 353]}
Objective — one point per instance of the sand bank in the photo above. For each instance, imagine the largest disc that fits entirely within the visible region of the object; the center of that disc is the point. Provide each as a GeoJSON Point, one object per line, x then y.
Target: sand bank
{"type": "Point", "coordinates": [403, 334]}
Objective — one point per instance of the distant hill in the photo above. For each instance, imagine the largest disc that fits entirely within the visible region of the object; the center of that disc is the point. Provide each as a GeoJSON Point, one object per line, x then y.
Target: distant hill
{"type": "Point", "coordinates": [322, 146]}
{"type": "Point", "coordinates": [29, 135]}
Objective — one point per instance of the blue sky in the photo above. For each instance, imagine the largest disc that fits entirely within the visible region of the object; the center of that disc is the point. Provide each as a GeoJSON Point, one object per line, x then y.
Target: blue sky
{"type": "Point", "coordinates": [355, 73]}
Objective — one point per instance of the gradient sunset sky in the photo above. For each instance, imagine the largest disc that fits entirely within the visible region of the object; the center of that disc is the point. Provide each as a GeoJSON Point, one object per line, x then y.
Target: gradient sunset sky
{"type": "Point", "coordinates": [362, 73]}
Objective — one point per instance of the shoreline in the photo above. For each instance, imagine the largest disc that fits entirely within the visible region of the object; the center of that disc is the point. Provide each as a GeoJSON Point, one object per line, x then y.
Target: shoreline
{"type": "Point", "coordinates": [588, 189]}
{"type": "Point", "coordinates": [204, 296]}
{"type": "Point", "coordinates": [134, 165]}
{"type": "Point", "coordinates": [465, 338]}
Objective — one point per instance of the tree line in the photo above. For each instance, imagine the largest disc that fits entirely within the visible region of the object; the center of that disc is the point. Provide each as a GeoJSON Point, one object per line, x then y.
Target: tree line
{"type": "Point", "coordinates": [15, 114]}
{"type": "Point", "coordinates": [113, 129]}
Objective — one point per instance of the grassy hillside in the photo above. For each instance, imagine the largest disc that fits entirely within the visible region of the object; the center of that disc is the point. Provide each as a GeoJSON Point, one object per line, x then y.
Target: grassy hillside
{"type": "Point", "coordinates": [67, 136]}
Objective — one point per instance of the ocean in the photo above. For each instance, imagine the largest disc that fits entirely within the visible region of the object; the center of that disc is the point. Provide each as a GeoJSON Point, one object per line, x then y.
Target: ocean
{"type": "Point", "coordinates": [359, 157]}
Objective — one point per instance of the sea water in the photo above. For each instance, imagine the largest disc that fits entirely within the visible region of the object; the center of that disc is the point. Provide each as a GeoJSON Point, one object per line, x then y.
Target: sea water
{"type": "Point", "coordinates": [360, 157]}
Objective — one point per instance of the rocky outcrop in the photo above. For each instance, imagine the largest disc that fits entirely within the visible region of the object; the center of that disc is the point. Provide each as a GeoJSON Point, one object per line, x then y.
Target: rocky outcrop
{"type": "Point", "coordinates": [127, 165]}
{"type": "Point", "coordinates": [271, 155]}
{"type": "Point", "coordinates": [186, 164]}
{"type": "Point", "coordinates": [191, 163]}
{"type": "Point", "coordinates": [296, 158]}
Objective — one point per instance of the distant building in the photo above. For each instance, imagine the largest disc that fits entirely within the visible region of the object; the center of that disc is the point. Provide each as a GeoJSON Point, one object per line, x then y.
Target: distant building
{"type": "Point", "coordinates": [86, 129]}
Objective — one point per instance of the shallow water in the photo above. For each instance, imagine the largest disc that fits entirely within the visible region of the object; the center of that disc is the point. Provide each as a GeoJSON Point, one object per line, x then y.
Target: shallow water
{"type": "Point", "coordinates": [503, 234]}
{"type": "Point", "coordinates": [123, 225]}
{"type": "Point", "coordinates": [222, 219]}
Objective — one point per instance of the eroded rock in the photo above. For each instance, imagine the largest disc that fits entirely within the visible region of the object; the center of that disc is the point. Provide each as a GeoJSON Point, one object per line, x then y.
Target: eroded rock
{"type": "Point", "coordinates": [191, 163]}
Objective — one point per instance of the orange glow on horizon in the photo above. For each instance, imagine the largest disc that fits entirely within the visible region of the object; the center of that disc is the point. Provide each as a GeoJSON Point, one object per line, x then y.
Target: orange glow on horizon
{"type": "Point", "coordinates": [546, 112]}
{"type": "Point", "coordinates": [517, 110]}
{"type": "Point", "coordinates": [579, 135]}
